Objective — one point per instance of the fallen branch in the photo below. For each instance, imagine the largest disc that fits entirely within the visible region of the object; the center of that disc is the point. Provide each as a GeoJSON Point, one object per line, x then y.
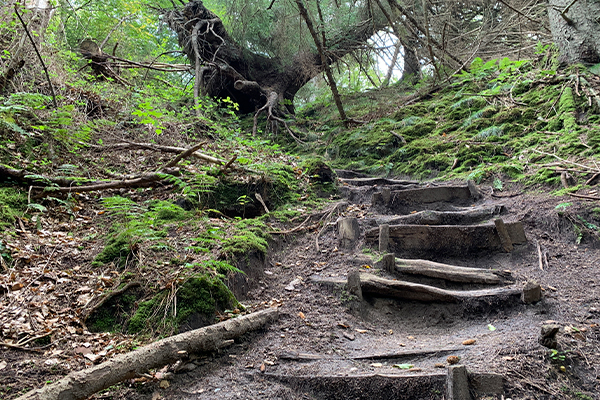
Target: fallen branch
{"type": "Point", "coordinates": [82, 384]}
{"type": "Point", "coordinates": [583, 196]}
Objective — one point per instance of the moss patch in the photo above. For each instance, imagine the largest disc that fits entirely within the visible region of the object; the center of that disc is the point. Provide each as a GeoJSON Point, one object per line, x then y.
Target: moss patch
{"type": "Point", "coordinates": [13, 203]}
{"type": "Point", "coordinates": [203, 294]}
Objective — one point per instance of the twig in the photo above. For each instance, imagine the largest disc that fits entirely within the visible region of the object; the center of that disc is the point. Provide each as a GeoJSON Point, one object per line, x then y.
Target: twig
{"type": "Point", "coordinates": [589, 181]}
{"type": "Point", "coordinates": [17, 347]}
{"type": "Point", "coordinates": [39, 56]}
{"type": "Point", "coordinates": [583, 196]}
{"type": "Point", "coordinates": [567, 161]}
{"type": "Point", "coordinates": [540, 257]}
{"type": "Point", "coordinates": [523, 15]}
{"type": "Point", "coordinates": [183, 155]}
{"type": "Point", "coordinates": [260, 199]}
{"type": "Point", "coordinates": [226, 166]}
{"type": "Point", "coordinates": [326, 223]}
{"type": "Point", "coordinates": [35, 338]}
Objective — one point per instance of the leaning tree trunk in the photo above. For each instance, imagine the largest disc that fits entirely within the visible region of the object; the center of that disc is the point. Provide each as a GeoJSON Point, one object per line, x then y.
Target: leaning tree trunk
{"type": "Point", "coordinates": [575, 27]}
{"type": "Point", "coordinates": [230, 70]}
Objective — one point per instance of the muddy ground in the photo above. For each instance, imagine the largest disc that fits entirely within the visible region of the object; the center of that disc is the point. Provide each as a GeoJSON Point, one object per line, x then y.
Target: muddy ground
{"type": "Point", "coordinates": [327, 344]}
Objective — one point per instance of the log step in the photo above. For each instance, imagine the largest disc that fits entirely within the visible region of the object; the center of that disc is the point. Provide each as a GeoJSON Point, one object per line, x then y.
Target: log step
{"type": "Point", "coordinates": [431, 217]}
{"type": "Point", "coordinates": [448, 239]}
{"type": "Point", "coordinates": [376, 181]}
{"type": "Point", "coordinates": [447, 272]}
{"type": "Point", "coordinates": [430, 195]}
{"type": "Point", "coordinates": [376, 286]}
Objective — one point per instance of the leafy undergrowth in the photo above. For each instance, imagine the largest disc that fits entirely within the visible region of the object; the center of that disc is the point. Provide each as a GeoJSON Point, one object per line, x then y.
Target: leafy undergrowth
{"type": "Point", "coordinates": [504, 121]}
{"type": "Point", "coordinates": [132, 263]}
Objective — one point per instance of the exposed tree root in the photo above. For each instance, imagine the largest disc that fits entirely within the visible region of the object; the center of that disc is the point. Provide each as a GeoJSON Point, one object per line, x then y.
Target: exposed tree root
{"type": "Point", "coordinates": [268, 108]}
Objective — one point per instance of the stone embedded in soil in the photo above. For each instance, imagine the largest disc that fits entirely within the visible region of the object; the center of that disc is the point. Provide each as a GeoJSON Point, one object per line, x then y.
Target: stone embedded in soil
{"type": "Point", "coordinates": [532, 292]}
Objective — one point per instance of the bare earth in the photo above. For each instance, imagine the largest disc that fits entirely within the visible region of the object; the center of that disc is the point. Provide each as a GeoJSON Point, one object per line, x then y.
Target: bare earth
{"type": "Point", "coordinates": [327, 344]}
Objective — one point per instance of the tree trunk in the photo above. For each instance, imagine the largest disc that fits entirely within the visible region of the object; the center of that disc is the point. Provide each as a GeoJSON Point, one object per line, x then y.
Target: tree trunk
{"type": "Point", "coordinates": [576, 30]}
{"type": "Point", "coordinates": [230, 70]}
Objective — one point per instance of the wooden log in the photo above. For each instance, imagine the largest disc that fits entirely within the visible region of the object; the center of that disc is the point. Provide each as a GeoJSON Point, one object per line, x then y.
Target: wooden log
{"type": "Point", "coordinates": [503, 234]}
{"type": "Point", "coordinates": [376, 181]}
{"type": "Point", "coordinates": [431, 195]}
{"type": "Point", "coordinates": [457, 384]}
{"type": "Point", "coordinates": [384, 237]}
{"type": "Point", "coordinates": [82, 384]}
{"type": "Point", "coordinates": [386, 195]}
{"type": "Point", "coordinates": [430, 217]}
{"type": "Point", "coordinates": [388, 262]}
{"type": "Point", "coordinates": [376, 286]}
{"type": "Point", "coordinates": [475, 193]}
{"type": "Point", "coordinates": [448, 239]}
{"type": "Point", "coordinates": [354, 285]}
{"type": "Point", "coordinates": [411, 353]}
{"type": "Point", "coordinates": [447, 272]}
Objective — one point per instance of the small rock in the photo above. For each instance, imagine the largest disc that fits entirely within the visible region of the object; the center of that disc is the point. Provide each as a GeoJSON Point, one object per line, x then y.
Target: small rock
{"type": "Point", "coordinates": [292, 285]}
{"type": "Point", "coordinates": [468, 342]}
{"type": "Point", "coordinates": [51, 362]}
{"type": "Point", "coordinates": [440, 365]}
{"type": "Point", "coordinates": [453, 360]}
{"type": "Point", "coordinates": [377, 365]}
{"type": "Point", "coordinates": [188, 367]}
{"type": "Point", "coordinates": [548, 335]}
{"type": "Point", "coordinates": [349, 336]}
{"type": "Point", "coordinates": [532, 292]}
{"type": "Point", "coordinates": [164, 384]}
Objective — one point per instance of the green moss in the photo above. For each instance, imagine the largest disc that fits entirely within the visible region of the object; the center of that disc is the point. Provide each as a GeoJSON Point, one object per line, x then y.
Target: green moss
{"type": "Point", "coordinates": [167, 211]}
{"type": "Point", "coordinates": [244, 243]}
{"type": "Point", "coordinates": [202, 294]}
{"type": "Point", "coordinates": [123, 241]}
{"type": "Point", "coordinates": [13, 203]}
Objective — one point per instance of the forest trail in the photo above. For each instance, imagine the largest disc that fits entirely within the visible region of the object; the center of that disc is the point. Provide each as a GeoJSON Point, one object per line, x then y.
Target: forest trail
{"type": "Point", "coordinates": [330, 344]}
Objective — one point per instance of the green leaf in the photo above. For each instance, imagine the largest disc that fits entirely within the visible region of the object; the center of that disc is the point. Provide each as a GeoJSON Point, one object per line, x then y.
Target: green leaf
{"type": "Point", "coordinates": [491, 327]}
{"type": "Point", "coordinates": [563, 206]}
{"type": "Point", "coordinates": [595, 69]}
{"type": "Point", "coordinates": [403, 366]}
{"type": "Point", "coordinates": [38, 207]}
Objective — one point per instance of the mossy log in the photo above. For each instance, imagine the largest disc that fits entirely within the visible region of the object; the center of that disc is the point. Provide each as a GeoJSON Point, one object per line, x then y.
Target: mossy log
{"type": "Point", "coordinates": [447, 272]}
{"type": "Point", "coordinates": [82, 384]}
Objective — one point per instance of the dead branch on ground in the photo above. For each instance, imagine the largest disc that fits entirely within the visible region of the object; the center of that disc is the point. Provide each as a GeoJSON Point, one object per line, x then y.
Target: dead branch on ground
{"type": "Point", "coordinates": [82, 384]}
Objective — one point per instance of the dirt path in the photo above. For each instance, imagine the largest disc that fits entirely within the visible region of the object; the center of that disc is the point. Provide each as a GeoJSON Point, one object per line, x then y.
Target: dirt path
{"type": "Point", "coordinates": [330, 345]}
